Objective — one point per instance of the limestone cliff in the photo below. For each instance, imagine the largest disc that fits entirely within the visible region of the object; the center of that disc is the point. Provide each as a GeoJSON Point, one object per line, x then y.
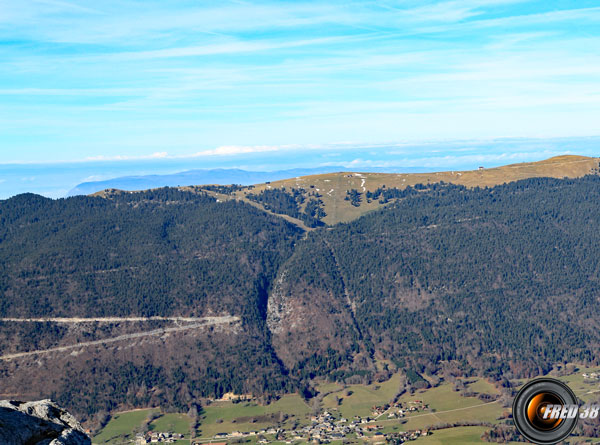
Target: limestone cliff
{"type": "Point", "coordinates": [39, 423]}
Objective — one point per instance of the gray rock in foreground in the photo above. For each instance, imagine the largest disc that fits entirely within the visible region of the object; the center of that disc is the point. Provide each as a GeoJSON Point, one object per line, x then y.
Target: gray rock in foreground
{"type": "Point", "coordinates": [39, 423]}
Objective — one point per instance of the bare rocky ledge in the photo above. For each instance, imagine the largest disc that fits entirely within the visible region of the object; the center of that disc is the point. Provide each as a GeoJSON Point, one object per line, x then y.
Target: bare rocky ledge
{"type": "Point", "coordinates": [41, 422]}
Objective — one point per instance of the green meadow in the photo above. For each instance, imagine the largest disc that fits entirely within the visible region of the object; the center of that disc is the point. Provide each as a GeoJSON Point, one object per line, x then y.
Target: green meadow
{"type": "Point", "coordinates": [175, 423]}
{"type": "Point", "coordinates": [224, 417]}
{"type": "Point", "coordinates": [291, 411]}
{"type": "Point", "coordinates": [454, 436]}
{"type": "Point", "coordinates": [122, 426]}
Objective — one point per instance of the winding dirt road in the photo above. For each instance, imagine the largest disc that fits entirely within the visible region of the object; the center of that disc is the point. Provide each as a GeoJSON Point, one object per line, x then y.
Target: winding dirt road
{"type": "Point", "coordinates": [205, 321]}
{"type": "Point", "coordinates": [104, 319]}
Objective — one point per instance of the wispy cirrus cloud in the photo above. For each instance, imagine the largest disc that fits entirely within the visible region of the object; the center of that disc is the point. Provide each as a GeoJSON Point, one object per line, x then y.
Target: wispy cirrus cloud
{"type": "Point", "coordinates": [229, 150]}
{"type": "Point", "coordinates": [129, 78]}
{"type": "Point", "coordinates": [233, 47]}
{"type": "Point", "coordinates": [157, 155]}
{"type": "Point", "coordinates": [156, 19]}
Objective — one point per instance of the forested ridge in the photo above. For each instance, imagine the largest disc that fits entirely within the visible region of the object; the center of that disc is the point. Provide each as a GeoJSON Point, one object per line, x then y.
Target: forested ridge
{"type": "Point", "coordinates": [495, 281]}
{"type": "Point", "coordinates": [163, 252]}
{"type": "Point", "coordinates": [504, 279]}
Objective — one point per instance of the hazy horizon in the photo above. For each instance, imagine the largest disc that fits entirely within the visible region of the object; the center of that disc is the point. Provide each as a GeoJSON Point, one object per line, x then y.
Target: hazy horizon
{"type": "Point", "coordinates": [98, 90]}
{"type": "Point", "coordinates": [56, 179]}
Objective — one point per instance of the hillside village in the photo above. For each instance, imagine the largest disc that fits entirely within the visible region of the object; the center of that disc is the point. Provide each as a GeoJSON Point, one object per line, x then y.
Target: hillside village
{"type": "Point", "coordinates": [229, 419]}
{"type": "Point", "coordinates": [324, 428]}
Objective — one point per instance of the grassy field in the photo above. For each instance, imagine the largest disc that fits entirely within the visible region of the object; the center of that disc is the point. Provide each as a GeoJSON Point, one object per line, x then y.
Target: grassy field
{"type": "Point", "coordinates": [362, 398]}
{"type": "Point", "coordinates": [454, 436]}
{"type": "Point", "coordinates": [484, 413]}
{"type": "Point", "coordinates": [441, 398]}
{"type": "Point", "coordinates": [174, 423]}
{"type": "Point", "coordinates": [328, 387]}
{"type": "Point", "coordinates": [481, 386]}
{"type": "Point", "coordinates": [587, 390]}
{"type": "Point", "coordinates": [446, 406]}
{"type": "Point", "coordinates": [121, 426]}
{"type": "Point", "coordinates": [223, 417]}
{"type": "Point", "coordinates": [333, 186]}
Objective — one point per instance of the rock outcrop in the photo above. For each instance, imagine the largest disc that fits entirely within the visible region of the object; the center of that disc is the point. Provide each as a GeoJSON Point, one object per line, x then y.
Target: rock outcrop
{"type": "Point", "coordinates": [39, 423]}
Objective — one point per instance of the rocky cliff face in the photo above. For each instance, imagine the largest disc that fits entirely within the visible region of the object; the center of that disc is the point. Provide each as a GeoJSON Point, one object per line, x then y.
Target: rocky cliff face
{"type": "Point", "coordinates": [39, 423]}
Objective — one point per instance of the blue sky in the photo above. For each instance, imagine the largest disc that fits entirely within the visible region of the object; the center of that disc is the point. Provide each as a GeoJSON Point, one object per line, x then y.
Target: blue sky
{"type": "Point", "coordinates": [114, 80]}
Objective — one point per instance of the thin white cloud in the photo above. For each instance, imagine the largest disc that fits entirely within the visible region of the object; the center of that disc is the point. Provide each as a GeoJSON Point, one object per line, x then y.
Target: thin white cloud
{"type": "Point", "coordinates": [157, 155]}
{"type": "Point", "coordinates": [235, 47]}
{"type": "Point", "coordinates": [367, 163]}
{"type": "Point", "coordinates": [229, 150]}
{"type": "Point", "coordinates": [126, 22]}
{"type": "Point", "coordinates": [528, 21]}
{"type": "Point", "coordinates": [501, 158]}
{"type": "Point", "coordinates": [189, 77]}
{"type": "Point", "coordinates": [67, 6]}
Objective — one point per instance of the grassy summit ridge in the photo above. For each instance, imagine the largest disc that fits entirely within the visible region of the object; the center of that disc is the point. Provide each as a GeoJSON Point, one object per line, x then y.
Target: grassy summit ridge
{"type": "Point", "coordinates": [332, 188]}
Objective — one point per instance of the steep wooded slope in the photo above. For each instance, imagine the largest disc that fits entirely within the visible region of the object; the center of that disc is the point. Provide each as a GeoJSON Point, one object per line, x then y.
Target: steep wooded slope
{"type": "Point", "coordinates": [501, 279]}
{"type": "Point", "coordinates": [494, 280]}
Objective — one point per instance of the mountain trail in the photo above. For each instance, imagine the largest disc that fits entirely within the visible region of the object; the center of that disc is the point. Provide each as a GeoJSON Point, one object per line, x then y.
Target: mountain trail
{"type": "Point", "coordinates": [207, 321]}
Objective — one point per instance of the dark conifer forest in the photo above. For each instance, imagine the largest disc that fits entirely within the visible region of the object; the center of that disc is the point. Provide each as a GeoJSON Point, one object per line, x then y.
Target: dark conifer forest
{"type": "Point", "coordinates": [498, 281]}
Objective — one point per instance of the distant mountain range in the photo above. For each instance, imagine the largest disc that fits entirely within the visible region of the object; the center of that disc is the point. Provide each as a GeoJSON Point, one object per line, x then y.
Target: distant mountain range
{"type": "Point", "coordinates": [215, 176]}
